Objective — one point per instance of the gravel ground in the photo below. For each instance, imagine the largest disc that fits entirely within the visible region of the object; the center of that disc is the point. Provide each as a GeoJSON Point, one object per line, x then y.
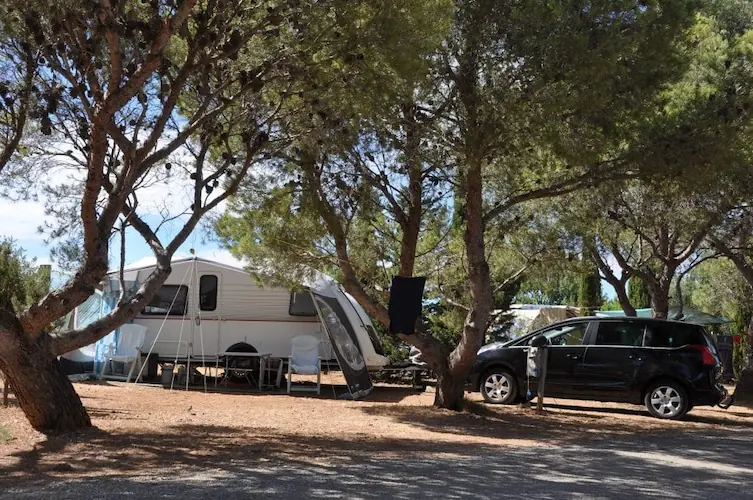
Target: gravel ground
{"type": "Point", "coordinates": [152, 443]}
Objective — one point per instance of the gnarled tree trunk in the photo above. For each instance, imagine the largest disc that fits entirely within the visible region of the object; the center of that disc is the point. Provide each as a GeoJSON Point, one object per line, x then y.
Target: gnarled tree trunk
{"type": "Point", "coordinates": [450, 391]}
{"type": "Point", "coordinates": [660, 299]}
{"type": "Point", "coordinates": [37, 380]}
{"type": "Point", "coordinates": [749, 346]}
{"type": "Point", "coordinates": [744, 389]}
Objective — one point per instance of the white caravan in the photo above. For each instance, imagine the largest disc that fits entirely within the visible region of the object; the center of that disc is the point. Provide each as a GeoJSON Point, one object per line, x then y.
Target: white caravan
{"type": "Point", "coordinates": [206, 309]}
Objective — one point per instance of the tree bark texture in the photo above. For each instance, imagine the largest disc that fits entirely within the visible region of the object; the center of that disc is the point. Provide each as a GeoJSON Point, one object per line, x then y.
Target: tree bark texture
{"type": "Point", "coordinates": [37, 380]}
{"type": "Point", "coordinates": [625, 303]}
{"type": "Point", "coordinates": [749, 346]}
{"type": "Point", "coordinates": [660, 297]}
{"type": "Point", "coordinates": [449, 392]}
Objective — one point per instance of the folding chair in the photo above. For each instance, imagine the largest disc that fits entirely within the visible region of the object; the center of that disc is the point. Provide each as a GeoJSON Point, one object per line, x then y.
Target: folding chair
{"type": "Point", "coordinates": [128, 349]}
{"type": "Point", "coordinates": [304, 360]}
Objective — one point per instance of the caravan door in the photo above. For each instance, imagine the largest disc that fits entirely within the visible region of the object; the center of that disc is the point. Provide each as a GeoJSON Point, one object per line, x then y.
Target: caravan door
{"type": "Point", "coordinates": [207, 324]}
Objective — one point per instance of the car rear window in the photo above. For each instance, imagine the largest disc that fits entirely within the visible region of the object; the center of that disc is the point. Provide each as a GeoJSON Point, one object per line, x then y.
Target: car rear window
{"type": "Point", "coordinates": [674, 335]}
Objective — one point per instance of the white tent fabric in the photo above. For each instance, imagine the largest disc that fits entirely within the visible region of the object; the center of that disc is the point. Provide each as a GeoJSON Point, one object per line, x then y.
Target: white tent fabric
{"type": "Point", "coordinates": [529, 317]}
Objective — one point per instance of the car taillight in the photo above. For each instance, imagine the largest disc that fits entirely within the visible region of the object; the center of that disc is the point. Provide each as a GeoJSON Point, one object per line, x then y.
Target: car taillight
{"type": "Point", "coordinates": [707, 356]}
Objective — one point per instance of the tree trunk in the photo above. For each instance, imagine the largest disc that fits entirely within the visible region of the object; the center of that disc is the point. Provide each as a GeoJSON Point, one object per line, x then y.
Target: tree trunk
{"type": "Point", "coordinates": [39, 384]}
{"type": "Point", "coordinates": [660, 303]}
{"type": "Point", "coordinates": [749, 346]}
{"type": "Point", "coordinates": [625, 303]}
{"type": "Point", "coordinates": [450, 391]}
{"type": "Point", "coordinates": [744, 388]}
{"type": "Point", "coordinates": [680, 300]}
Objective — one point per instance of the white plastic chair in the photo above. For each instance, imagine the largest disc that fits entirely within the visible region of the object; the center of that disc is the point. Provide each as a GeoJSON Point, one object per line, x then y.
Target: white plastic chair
{"type": "Point", "coordinates": [128, 349]}
{"type": "Point", "coordinates": [305, 360]}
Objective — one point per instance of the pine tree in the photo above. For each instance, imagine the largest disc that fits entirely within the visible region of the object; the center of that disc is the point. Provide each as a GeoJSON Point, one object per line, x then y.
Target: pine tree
{"type": "Point", "coordinates": [638, 293]}
{"type": "Point", "coordinates": [589, 293]}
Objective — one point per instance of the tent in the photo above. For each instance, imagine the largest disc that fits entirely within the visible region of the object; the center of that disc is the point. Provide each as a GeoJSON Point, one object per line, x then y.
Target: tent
{"type": "Point", "coordinates": [689, 316]}
{"type": "Point", "coordinates": [528, 317]}
{"type": "Point", "coordinates": [94, 308]}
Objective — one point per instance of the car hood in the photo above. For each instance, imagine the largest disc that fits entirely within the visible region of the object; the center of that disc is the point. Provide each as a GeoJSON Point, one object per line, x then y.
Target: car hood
{"type": "Point", "coordinates": [494, 345]}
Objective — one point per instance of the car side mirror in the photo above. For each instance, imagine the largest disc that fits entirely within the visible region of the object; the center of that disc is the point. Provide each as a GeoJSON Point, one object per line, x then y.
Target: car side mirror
{"type": "Point", "coordinates": [539, 341]}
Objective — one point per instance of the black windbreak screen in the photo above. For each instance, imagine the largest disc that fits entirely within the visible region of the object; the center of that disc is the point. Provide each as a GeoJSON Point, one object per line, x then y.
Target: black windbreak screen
{"type": "Point", "coordinates": [345, 344]}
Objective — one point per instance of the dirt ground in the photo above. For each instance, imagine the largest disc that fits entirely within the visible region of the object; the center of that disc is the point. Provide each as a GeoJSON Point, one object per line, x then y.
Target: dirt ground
{"type": "Point", "coordinates": [142, 428]}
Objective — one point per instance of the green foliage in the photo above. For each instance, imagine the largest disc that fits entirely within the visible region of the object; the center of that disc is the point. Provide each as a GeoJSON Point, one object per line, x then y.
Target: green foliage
{"type": "Point", "coordinates": [589, 292]}
{"type": "Point", "coordinates": [395, 349]}
{"type": "Point", "coordinates": [517, 79]}
{"type": "Point", "coordinates": [21, 282]}
{"type": "Point", "coordinates": [716, 287]}
{"type": "Point", "coordinates": [612, 304]}
{"type": "Point", "coordinates": [444, 322]}
{"type": "Point", "coordinates": [741, 321]}
{"type": "Point", "coordinates": [550, 288]}
{"type": "Point", "coordinates": [638, 293]}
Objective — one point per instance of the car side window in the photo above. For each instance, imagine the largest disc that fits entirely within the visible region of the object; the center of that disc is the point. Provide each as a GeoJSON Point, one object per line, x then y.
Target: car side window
{"type": "Point", "coordinates": [673, 335]}
{"type": "Point", "coordinates": [624, 334]}
{"type": "Point", "coordinates": [571, 334]}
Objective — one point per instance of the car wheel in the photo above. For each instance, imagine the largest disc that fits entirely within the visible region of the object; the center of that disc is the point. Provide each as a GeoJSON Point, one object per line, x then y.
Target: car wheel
{"type": "Point", "coordinates": [667, 399]}
{"type": "Point", "coordinates": [499, 387]}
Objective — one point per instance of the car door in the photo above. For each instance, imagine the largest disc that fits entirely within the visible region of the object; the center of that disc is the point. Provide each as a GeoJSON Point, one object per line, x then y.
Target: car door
{"type": "Point", "coordinates": [566, 351]}
{"type": "Point", "coordinates": [612, 360]}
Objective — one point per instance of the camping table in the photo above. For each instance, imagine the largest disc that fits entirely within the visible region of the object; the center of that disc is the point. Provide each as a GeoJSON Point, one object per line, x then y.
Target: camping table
{"type": "Point", "coordinates": [263, 357]}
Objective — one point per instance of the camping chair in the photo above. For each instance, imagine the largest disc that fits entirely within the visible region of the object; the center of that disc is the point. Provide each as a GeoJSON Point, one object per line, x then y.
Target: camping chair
{"type": "Point", "coordinates": [127, 350]}
{"type": "Point", "coordinates": [304, 360]}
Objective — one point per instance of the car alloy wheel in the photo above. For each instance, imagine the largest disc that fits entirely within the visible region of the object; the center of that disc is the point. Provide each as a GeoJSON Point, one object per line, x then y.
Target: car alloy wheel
{"type": "Point", "coordinates": [498, 387]}
{"type": "Point", "coordinates": [666, 401]}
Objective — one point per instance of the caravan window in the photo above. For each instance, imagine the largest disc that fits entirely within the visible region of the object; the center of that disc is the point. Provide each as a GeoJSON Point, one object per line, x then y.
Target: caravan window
{"type": "Point", "coordinates": [208, 292]}
{"type": "Point", "coordinates": [168, 295]}
{"type": "Point", "coordinates": [301, 304]}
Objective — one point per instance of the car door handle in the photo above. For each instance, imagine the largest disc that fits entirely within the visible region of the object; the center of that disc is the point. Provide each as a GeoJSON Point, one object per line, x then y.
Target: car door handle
{"type": "Point", "coordinates": [573, 356]}
{"type": "Point", "coordinates": [635, 357]}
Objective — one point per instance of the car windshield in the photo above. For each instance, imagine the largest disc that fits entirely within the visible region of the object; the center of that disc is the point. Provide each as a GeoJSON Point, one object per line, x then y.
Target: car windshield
{"type": "Point", "coordinates": [571, 334]}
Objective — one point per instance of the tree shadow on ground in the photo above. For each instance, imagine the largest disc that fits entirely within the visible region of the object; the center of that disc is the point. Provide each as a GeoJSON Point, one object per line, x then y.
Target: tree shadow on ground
{"type": "Point", "coordinates": [745, 420]}
{"type": "Point", "coordinates": [94, 450]}
{"type": "Point", "coordinates": [380, 394]}
{"type": "Point", "coordinates": [560, 422]}
{"type": "Point", "coordinates": [204, 461]}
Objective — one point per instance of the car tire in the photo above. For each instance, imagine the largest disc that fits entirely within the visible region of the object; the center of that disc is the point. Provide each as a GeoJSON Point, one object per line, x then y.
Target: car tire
{"type": "Point", "coordinates": [498, 386]}
{"type": "Point", "coordinates": [667, 399]}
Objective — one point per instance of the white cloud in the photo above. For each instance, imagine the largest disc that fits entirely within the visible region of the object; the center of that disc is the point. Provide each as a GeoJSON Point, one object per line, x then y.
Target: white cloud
{"type": "Point", "coordinates": [21, 219]}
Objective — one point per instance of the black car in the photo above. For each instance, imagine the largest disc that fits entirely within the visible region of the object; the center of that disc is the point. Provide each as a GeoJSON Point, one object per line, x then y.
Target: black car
{"type": "Point", "coordinates": [667, 365]}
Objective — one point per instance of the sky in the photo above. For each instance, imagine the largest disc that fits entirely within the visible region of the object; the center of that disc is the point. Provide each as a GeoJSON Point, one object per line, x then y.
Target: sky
{"type": "Point", "coordinates": [21, 220]}
{"type": "Point", "coordinates": [171, 195]}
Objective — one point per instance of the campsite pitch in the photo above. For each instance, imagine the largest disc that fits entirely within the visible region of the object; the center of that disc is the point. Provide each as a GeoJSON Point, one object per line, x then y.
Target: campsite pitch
{"type": "Point", "coordinates": [149, 439]}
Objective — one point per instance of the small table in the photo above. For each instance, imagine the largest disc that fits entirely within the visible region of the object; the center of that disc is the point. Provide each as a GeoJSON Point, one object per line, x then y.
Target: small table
{"type": "Point", "coordinates": [262, 356]}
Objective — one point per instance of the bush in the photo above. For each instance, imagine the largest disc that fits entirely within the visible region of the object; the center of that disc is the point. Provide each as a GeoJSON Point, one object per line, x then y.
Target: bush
{"type": "Point", "coordinates": [394, 348]}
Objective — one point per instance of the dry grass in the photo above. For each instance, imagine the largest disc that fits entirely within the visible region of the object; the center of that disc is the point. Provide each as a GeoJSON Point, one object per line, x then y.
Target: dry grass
{"type": "Point", "coordinates": [145, 428]}
{"type": "Point", "coordinates": [5, 435]}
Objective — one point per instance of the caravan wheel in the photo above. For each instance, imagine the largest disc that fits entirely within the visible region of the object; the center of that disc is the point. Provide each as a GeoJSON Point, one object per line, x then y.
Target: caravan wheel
{"type": "Point", "coordinates": [238, 365]}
